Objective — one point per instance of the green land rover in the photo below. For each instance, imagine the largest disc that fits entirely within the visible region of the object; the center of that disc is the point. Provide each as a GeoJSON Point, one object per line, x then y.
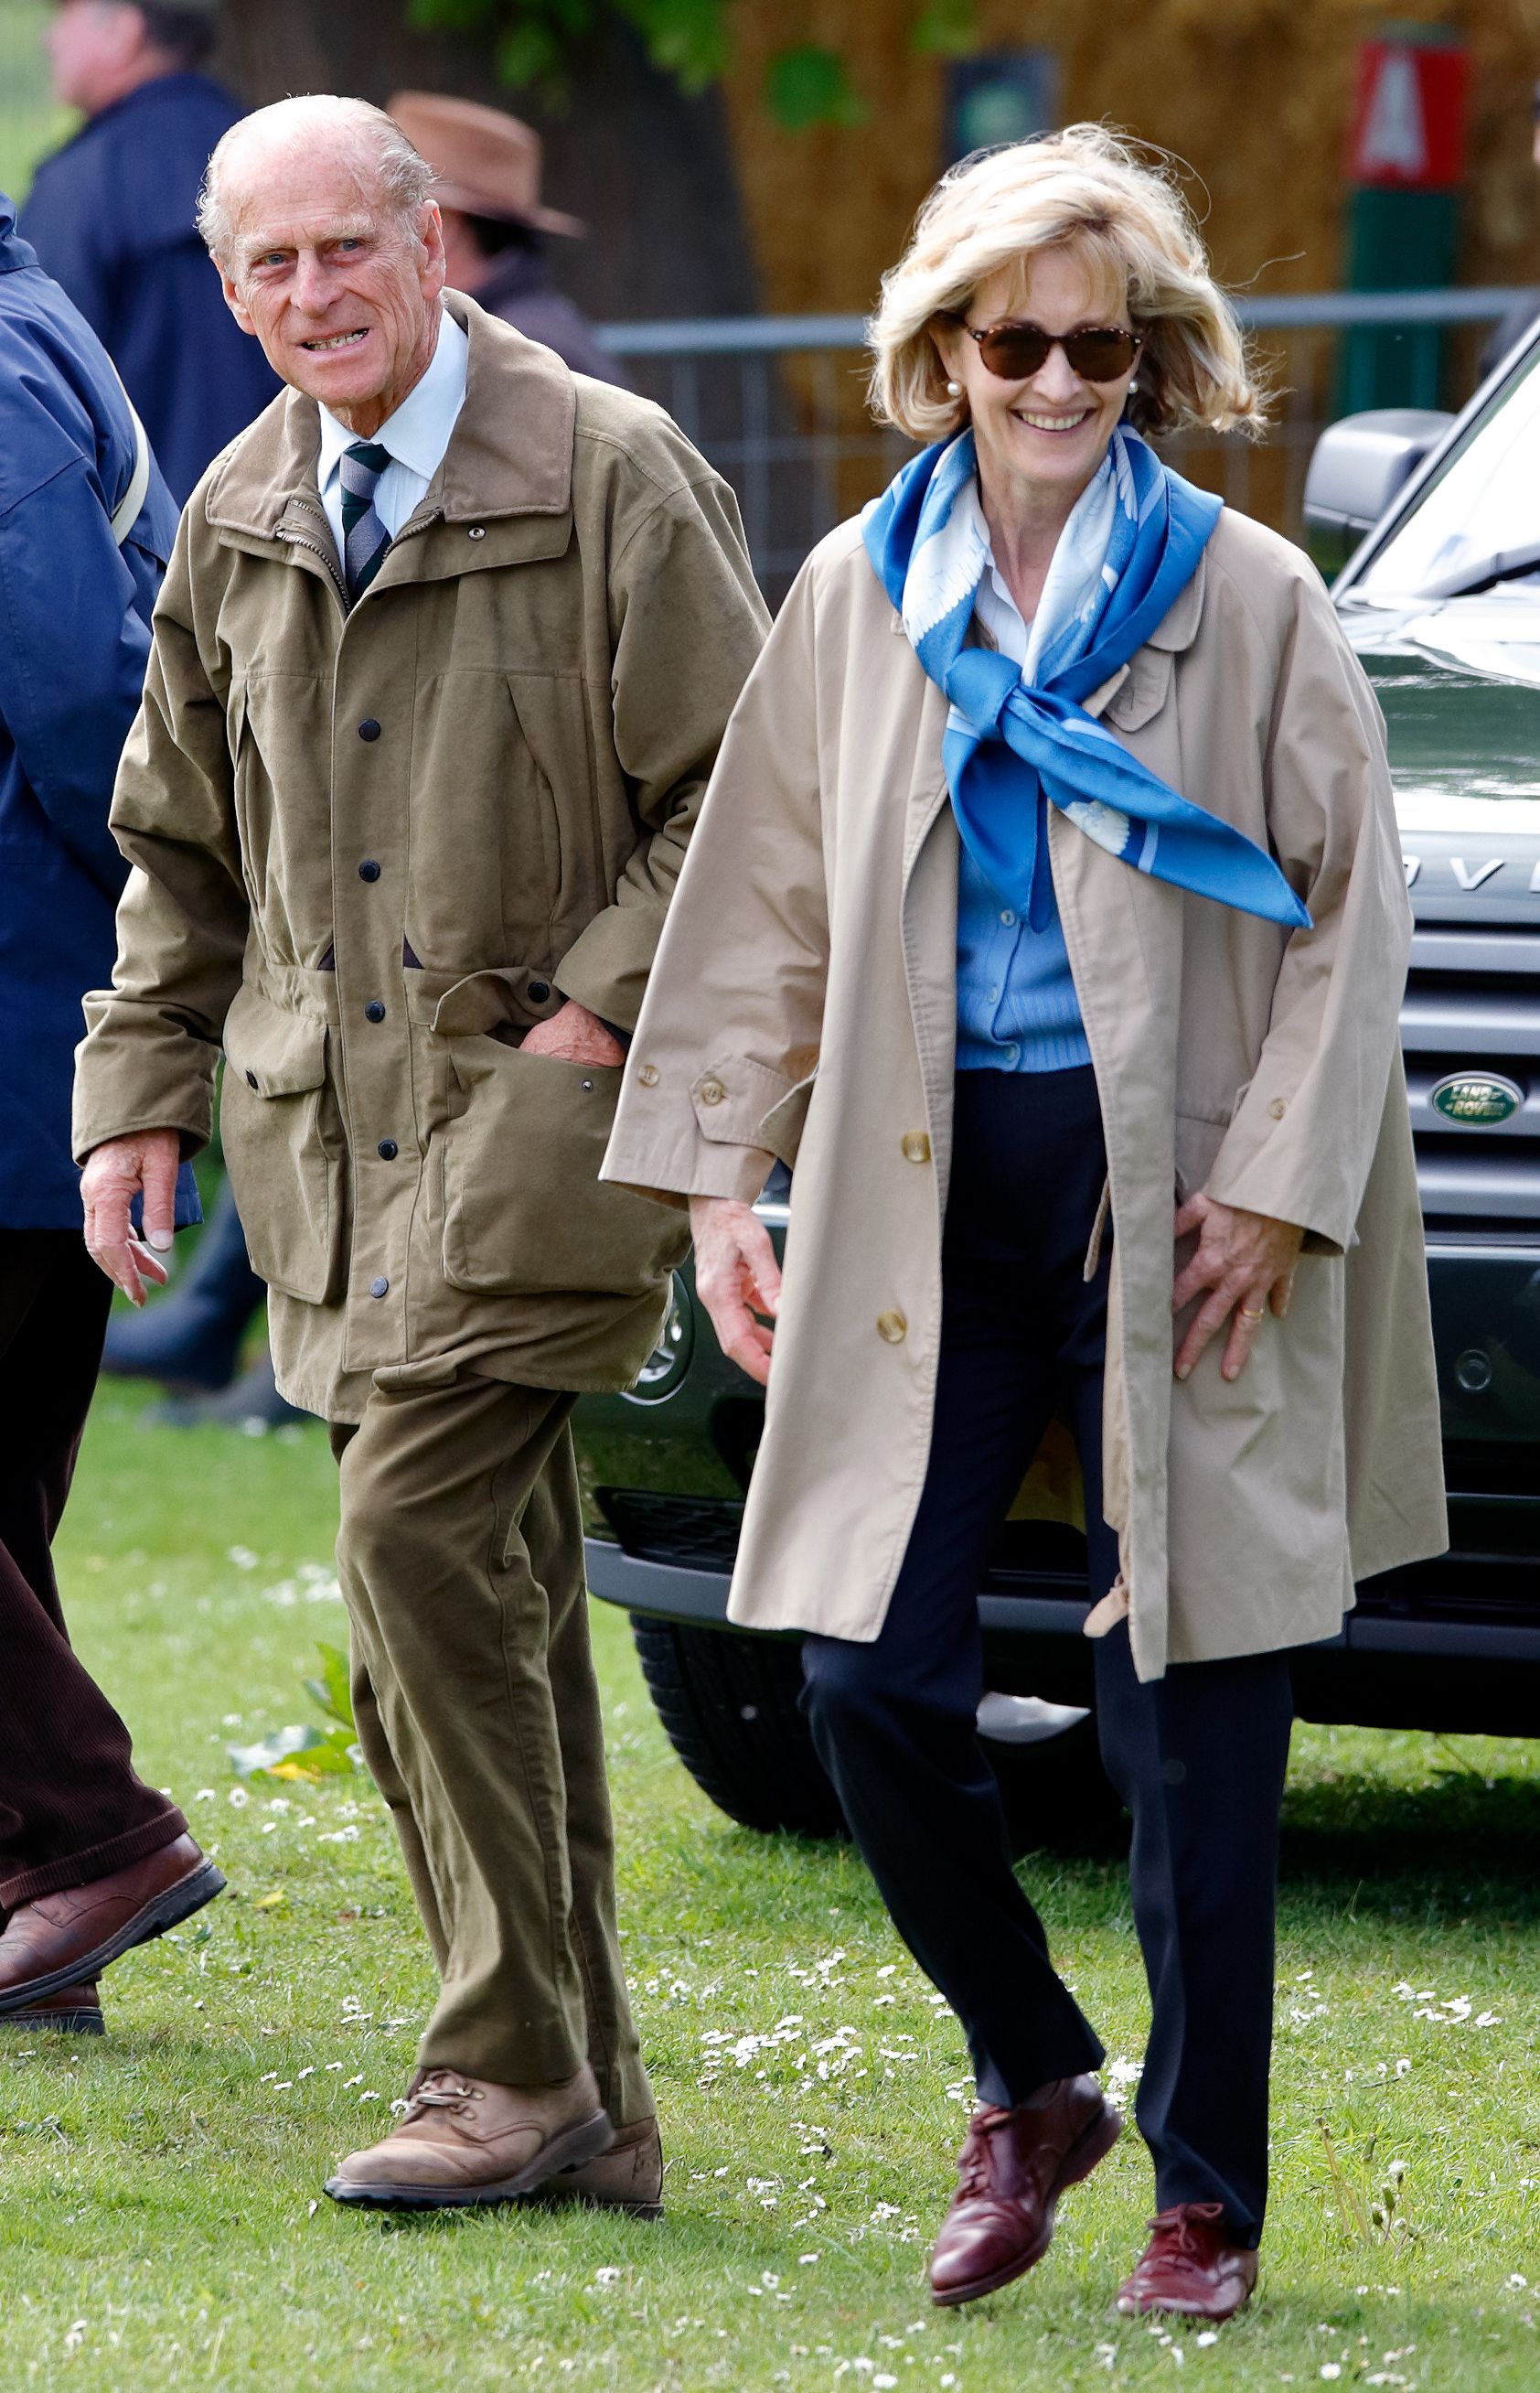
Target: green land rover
{"type": "Point", "coordinates": [1441, 601]}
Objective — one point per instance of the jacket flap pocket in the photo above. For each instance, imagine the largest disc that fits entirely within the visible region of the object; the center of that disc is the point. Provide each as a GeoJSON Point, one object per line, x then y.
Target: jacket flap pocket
{"type": "Point", "coordinates": [732, 1099]}
{"type": "Point", "coordinates": [489, 1001]}
{"type": "Point", "coordinates": [277, 1053]}
{"type": "Point", "coordinates": [1142, 693]}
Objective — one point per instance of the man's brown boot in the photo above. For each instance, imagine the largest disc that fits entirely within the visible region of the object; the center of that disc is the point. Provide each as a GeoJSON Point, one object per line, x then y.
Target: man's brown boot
{"type": "Point", "coordinates": [1190, 2267]}
{"type": "Point", "coordinates": [60, 1939]}
{"type": "Point", "coordinates": [73, 2010]}
{"type": "Point", "coordinates": [1011, 2170]}
{"type": "Point", "coordinates": [463, 2141]}
{"type": "Point", "coordinates": [629, 2176]}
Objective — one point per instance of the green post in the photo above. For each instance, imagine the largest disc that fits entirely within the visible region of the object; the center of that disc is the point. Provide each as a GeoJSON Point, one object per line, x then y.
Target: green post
{"type": "Point", "coordinates": [1406, 165]}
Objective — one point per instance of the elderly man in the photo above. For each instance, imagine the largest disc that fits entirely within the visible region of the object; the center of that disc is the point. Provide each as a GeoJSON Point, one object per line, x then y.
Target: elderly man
{"type": "Point", "coordinates": [444, 656]}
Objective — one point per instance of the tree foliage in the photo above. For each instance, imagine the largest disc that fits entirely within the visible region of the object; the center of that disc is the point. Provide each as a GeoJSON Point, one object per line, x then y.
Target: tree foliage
{"type": "Point", "coordinates": [806, 83]}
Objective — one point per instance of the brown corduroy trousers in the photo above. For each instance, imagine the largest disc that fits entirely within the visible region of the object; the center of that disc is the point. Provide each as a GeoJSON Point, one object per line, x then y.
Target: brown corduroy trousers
{"type": "Point", "coordinates": [460, 1560]}
{"type": "Point", "coordinates": [71, 1809]}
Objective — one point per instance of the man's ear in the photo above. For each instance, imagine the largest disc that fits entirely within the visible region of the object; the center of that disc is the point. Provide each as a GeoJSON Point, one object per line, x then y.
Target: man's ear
{"type": "Point", "coordinates": [236, 305]}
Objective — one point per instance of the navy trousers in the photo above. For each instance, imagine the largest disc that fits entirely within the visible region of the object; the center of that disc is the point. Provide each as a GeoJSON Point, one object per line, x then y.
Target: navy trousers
{"type": "Point", "coordinates": [1198, 1757]}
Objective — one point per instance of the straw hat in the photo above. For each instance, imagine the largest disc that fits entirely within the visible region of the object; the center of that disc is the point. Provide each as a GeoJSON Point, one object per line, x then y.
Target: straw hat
{"type": "Point", "coordinates": [486, 163]}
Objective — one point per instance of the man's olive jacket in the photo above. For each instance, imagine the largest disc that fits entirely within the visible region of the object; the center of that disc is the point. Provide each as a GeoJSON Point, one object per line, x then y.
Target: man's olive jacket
{"type": "Point", "coordinates": [371, 848]}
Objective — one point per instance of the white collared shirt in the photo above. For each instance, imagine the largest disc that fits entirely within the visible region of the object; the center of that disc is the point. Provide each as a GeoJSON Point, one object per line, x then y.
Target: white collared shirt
{"type": "Point", "coordinates": [416, 435]}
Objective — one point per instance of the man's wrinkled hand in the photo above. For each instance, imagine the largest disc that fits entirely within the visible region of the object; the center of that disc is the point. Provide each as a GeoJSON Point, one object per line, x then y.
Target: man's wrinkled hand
{"type": "Point", "coordinates": [573, 1036]}
{"type": "Point", "coordinates": [115, 1173]}
{"type": "Point", "coordinates": [1244, 1261]}
{"type": "Point", "coordinates": [737, 1278]}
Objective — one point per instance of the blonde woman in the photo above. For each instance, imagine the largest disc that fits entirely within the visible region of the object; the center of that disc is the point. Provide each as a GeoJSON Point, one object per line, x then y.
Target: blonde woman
{"type": "Point", "coordinates": [1047, 913]}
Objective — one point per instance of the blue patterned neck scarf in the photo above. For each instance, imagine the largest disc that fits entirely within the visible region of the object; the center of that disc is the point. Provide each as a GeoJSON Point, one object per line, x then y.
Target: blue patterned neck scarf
{"type": "Point", "coordinates": [1011, 746]}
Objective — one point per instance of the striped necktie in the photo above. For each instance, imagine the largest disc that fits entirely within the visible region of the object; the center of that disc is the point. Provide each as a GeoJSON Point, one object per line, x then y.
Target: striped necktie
{"type": "Point", "coordinates": [364, 537]}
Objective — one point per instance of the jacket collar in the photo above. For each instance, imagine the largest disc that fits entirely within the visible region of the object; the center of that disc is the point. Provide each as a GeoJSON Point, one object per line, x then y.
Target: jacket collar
{"type": "Point", "coordinates": [270, 470]}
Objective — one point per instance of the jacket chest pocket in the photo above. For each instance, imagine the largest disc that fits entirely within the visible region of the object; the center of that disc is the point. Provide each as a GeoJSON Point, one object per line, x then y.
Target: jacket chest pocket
{"type": "Point", "coordinates": [283, 1157]}
{"type": "Point", "coordinates": [525, 1212]}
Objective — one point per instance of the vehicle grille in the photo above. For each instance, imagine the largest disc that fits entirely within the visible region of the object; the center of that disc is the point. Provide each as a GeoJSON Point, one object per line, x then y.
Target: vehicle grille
{"type": "Point", "coordinates": [1472, 1004]}
{"type": "Point", "coordinates": [692, 1532]}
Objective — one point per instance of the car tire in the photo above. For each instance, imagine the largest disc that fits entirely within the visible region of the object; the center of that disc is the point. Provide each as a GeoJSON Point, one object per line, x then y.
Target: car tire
{"type": "Point", "coordinates": [728, 1707]}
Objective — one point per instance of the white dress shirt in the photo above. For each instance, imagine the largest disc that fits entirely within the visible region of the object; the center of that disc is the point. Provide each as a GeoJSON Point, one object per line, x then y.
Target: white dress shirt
{"type": "Point", "coordinates": [416, 435]}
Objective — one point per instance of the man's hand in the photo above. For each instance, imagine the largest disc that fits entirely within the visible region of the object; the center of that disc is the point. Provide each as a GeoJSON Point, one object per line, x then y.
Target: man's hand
{"type": "Point", "coordinates": [736, 1277]}
{"type": "Point", "coordinates": [573, 1036]}
{"type": "Point", "coordinates": [113, 1176]}
{"type": "Point", "coordinates": [1246, 1261]}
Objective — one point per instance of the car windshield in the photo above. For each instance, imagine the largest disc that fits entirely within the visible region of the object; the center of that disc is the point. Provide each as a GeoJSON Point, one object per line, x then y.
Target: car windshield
{"type": "Point", "coordinates": [1477, 522]}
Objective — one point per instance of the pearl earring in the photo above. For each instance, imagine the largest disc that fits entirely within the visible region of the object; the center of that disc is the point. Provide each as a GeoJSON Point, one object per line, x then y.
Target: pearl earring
{"type": "Point", "coordinates": [954, 390]}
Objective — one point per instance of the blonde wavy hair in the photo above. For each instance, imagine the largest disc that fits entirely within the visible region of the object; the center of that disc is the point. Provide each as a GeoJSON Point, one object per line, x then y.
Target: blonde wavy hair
{"type": "Point", "coordinates": [1094, 192]}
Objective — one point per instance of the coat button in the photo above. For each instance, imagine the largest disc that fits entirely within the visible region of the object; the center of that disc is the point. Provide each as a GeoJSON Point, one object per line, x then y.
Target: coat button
{"type": "Point", "coordinates": [647, 1075]}
{"type": "Point", "coordinates": [369, 728]}
{"type": "Point", "coordinates": [477, 531]}
{"type": "Point", "coordinates": [1278, 1108]}
{"type": "Point", "coordinates": [387, 1150]}
{"type": "Point", "coordinates": [373, 1011]}
{"type": "Point", "coordinates": [369, 869]}
{"type": "Point", "coordinates": [251, 1079]}
{"type": "Point", "coordinates": [379, 1288]}
{"type": "Point", "coordinates": [917, 1146]}
{"type": "Point", "coordinates": [538, 991]}
{"type": "Point", "coordinates": [711, 1092]}
{"type": "Point", "coordinates": [893, 1327]}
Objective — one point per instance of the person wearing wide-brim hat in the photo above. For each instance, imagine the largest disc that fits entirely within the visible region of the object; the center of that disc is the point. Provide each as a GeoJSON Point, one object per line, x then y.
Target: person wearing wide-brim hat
{"type": "Point", "coordinates": [487, 181]}
{"type": "Point", "coordinates": [1046, 912]}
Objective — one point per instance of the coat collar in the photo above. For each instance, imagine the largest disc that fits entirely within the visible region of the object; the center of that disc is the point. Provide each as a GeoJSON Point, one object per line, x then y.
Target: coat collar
{"type": "Point", "coordinates": [510, 382]}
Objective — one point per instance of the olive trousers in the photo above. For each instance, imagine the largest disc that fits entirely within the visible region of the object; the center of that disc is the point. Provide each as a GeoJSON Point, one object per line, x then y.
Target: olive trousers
{"type": "Point", "coordinates": [460, 1560]}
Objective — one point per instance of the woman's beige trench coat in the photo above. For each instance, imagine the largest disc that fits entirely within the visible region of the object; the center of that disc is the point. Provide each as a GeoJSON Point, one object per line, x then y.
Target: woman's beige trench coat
{"type": "Point", "coordinates": [803, 1005]}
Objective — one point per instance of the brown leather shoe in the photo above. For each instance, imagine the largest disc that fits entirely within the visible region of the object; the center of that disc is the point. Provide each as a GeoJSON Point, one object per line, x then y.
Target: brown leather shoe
{"type": "Point", "coordinates": [629, 2176]}
{"type": "Point", "coordinates": [1011, 2170]}
{"type": "Point", "coordinates": [73, 2010]}
{"type": "Point", "coordinates": [62, 1939]}
{"type": "Point", "coordinates": [463, 2141]}
{"type": "Point", "coordinates": [1189, 2268]}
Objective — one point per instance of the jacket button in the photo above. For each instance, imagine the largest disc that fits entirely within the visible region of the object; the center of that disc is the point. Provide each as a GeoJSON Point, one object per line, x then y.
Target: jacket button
{"type": "Point", "coordinates": [893, 1327]}
{"type": "Point", "coordinates": [647, 1075]}
{"type": "Point", "coordinates": [917, 1146]}
{"type": "Point", "coordinates": [711, 1092]}
{"type": "Point", "coordinates": [387, 1150]}
{"type": "Point", "coordinates": [373, 1011]}
{"type": "Point", "coordinates": [369, 728]}
{"type": "Point", "coordinates": [477, 531]}
{"type": "Point", "coordinates": [1278, 1108]}
{"type": "Point", "coordinates": [369, 869]}
{"type": "Point", "coordinates": [538, 991]}
{"type": "Point", "coordinates": [251, 1079]}
{"type": "Point", "coordinates": [379, 1288]}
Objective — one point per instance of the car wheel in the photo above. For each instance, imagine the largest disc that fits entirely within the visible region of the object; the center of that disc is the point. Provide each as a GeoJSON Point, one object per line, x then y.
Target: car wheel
{"type": "Point", "coordinates": [728, 1705]}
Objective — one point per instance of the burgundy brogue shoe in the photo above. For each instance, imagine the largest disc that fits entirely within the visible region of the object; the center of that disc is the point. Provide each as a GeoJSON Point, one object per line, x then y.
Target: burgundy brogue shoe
{"type": "Point", "coordinates": [1011, 2170]}
{"type": "Point", "coordinates": [1190, 2268]}
{"type": "Point", "coordinates": [60, 1939]}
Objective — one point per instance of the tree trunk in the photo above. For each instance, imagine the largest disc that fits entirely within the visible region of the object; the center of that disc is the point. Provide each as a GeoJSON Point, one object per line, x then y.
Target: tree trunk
{"type": "Point", "coordinates": [647, 168]}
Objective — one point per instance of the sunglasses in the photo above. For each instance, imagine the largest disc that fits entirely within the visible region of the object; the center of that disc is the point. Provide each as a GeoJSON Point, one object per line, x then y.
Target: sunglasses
{"type": "Point", "coordinates": [1015, 352]}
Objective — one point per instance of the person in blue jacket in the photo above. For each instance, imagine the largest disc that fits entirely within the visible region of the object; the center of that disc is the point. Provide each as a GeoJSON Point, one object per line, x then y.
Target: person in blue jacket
{"type": "Point", "coordinates": [112, 217]}
{"type": "Point", "coordinates": [92, 1860]}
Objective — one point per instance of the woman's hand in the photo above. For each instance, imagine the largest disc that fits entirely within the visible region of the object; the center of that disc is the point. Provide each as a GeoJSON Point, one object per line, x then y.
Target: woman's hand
{"type": "Point", "coordinates": [736, 1277]}
{"type": "Point", "coordinates": [1246, 1261]}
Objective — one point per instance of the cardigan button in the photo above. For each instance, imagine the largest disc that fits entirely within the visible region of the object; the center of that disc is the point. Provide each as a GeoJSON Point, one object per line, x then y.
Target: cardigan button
{"type": "Point", "coordinates": [915, 1145]}
{"type": "Point", "coordinates": [893, 1327]}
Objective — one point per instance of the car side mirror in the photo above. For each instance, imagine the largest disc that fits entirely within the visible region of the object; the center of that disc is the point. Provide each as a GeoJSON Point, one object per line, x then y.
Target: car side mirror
{"type": "Point", "coordinates": [1361, 464]}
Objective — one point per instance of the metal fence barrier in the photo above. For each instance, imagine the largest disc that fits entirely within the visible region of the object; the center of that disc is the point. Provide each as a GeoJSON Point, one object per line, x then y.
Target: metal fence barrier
{"type": "Point", "coordinates": [777, 404]}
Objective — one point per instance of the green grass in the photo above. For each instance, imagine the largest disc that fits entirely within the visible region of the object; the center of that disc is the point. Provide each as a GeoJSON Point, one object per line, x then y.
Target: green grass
{"type": "Point", "coordinates": [161, 2222]}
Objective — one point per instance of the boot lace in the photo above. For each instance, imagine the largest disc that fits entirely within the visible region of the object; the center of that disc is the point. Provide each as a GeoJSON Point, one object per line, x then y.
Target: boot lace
{"type": "Point", "coordinates": [976, 2170]}
{"type": "Point", "coordinates": [440, 2089]}
{"type": "Point", "coordinates": [1185, 2237]}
